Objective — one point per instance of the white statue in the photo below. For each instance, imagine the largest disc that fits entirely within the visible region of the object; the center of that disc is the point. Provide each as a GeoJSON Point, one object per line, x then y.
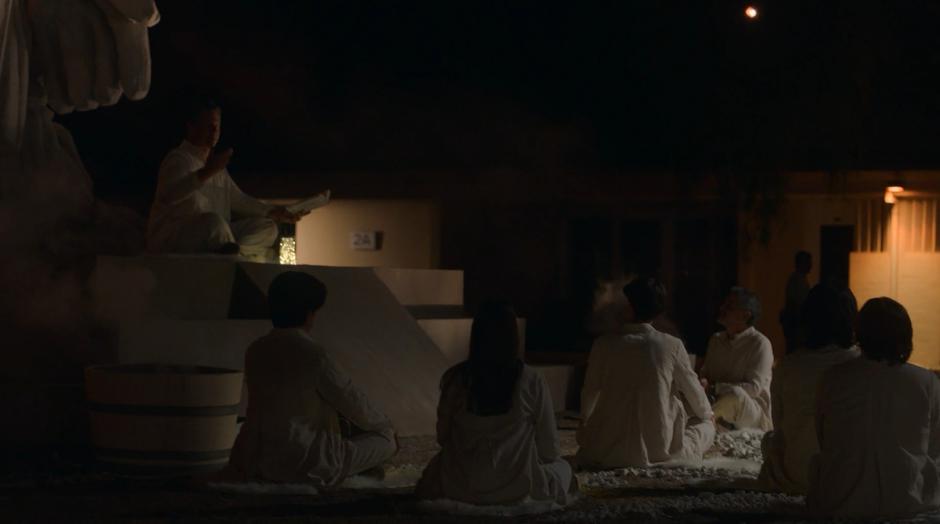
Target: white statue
{"type": "Point", "coordinates": [63, 55]}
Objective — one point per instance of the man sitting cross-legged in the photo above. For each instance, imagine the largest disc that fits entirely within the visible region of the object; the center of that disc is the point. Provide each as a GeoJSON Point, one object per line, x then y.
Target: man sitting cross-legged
{"type": "Point", "coordinates": [641, 402]}
{"type": "Point", "coordinates": [296, 398]}
{"type": "Point", "coordinates": [738, 365]}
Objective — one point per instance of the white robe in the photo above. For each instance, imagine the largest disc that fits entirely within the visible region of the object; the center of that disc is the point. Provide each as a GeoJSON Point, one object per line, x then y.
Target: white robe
{"type": "Point", "coordinates": [637, 391]}
{"type": "Point", "coordinates": [292, 432]}
{"type": "Point", "coordinates": [740, 368]}
{"type": "Point", "coordinates": [14, 73]}
{"type": "Point", "coordinates": [789, 448]}
{"type": "Point", "coordinates": [879, 440]}
{"type": "Point", "coordinates": [499, 459]}
{"type": "Point", "coordinates": [185, 208]}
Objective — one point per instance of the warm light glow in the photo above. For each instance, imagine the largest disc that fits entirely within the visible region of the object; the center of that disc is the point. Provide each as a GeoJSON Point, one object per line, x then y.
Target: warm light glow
{"type": "Point", "coordinates": [750, 12]}
{"type": "Point", "coordinates": [889, 197]}
{"type": "Point", "coordinates": [894, 189]}
{"type": "Point", "coordinates": [287, 251]}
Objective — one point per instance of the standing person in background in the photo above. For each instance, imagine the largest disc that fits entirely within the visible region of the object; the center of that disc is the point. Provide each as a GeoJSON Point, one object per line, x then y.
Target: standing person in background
{"type": "Point", "coordinates": [797, 289]}
{"type": "Point", "coordinates": [738, 365]}
{"type": "Point", "coordinates": [878, 425]}
{"type": "Point", "coordinates": [828, 324]}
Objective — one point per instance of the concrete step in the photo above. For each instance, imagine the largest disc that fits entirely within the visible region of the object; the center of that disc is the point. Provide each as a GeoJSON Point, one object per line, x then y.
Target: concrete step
{"type": "Point", "coordinates": [431, 311]}
{"type": "Point", "coordinates": [175, 286]}
{"type": "Point", "coordinates": [423, 287]}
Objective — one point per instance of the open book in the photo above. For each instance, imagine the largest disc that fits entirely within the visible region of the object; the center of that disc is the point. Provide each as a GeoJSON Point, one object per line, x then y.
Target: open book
{"type": "Point", "coordinates": [309, 204]}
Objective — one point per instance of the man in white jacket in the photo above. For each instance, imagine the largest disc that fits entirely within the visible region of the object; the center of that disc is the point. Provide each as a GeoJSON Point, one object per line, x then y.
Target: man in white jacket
{"type": "Point", "coordinates": [738, 365]}
{"type": "Point", "coordinates": [298, 398]}
{"type": "Point", "coordinates": [196, 198]}
{"type": "Point", "coordinates": [642, 402]}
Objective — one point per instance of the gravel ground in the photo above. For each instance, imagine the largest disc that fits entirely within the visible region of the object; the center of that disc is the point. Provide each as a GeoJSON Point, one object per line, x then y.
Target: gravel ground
{"type": "Point", "coordinates": [720, 489]}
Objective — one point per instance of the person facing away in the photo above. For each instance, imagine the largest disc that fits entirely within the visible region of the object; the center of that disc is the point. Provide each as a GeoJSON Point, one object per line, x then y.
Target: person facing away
{"type": "Point", "coordinates": [196, 198]}
{"type": "Point", "coordinates": [878, 425]}
{"type": "Point", "coordinates": [297, 398]}
{"type": "Point", "coordinates": [797, 290]}
{"type": "Point", "coordinates": [642, 402]}
{"type": "Point", "coordinates": [738, 364]}
{"type": "Point", "coordinates": [828, 324]}
{"type": "Point", "coordinates": [496, 425]}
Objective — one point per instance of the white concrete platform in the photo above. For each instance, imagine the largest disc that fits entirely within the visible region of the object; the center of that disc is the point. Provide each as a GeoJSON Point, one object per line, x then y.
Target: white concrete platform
{"type": "Point", "coordinates": [185, 287]}
{"type": "Point", "coordinates": [424, 287]}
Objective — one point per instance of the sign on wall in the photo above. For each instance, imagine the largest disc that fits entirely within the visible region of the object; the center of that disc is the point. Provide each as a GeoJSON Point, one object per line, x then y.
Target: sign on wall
{"type": "Point", "coordinates": [364, 240]}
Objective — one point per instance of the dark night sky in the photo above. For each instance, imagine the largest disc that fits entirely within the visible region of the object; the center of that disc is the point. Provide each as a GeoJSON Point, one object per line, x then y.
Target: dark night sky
{"type": "Point", "coordinates": [536, 86]}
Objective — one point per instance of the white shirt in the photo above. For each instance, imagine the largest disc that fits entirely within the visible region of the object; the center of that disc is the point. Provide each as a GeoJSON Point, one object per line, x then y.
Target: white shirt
{"type": "Point", "coordinates": [498, 459]}
{"type": "Point", "coordinates": [631, 406]}
{"type": "Point", "coordinates": [296, 394]}
{"type": "Point", "coordinates": [879, 440]}
{"type": "Point", "coordinates": [745, 360]}
{"type": "Point", "coordinates": [181, 195]}
{"type": "Point", "coordinates": [793, 404]}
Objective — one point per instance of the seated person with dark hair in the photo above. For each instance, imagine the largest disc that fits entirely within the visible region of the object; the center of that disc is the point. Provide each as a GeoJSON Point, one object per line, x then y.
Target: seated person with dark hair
{"type": "Point", "coordinates": [642, 402]}
{"type": "Point", "coordinates": [496, 425]}
{"type": "Point", "coordinates": [878, 425]}
{"type": "Point", "coordinates": [828, 323]}
{"type": "Point", "coordinates": [296, 397]}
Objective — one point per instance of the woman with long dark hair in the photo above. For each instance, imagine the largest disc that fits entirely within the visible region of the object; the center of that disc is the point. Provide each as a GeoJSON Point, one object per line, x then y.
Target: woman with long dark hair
{"type": "Point", "coordinates": [496, 424]}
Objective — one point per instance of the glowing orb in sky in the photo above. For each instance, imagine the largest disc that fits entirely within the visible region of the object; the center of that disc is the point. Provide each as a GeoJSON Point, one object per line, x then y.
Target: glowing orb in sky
{"type": "Point", "coordinates": [750, 12]}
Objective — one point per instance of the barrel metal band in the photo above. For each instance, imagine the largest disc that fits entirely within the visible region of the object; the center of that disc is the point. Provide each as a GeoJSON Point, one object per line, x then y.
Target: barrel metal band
{"type": "Point", "coordinates": [164, 411]}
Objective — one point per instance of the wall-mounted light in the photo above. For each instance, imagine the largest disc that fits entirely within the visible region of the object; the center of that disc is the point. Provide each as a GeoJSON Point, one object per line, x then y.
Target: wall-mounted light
{"type": "Point", "coordinates": [750, 12]}
{"type": "Point", "coordinates": [892, 191]}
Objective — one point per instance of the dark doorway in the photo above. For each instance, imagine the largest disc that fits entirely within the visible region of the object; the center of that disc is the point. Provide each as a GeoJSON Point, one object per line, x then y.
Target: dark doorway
{"type": "Point", "coordinates": [561, 325]}
{"type": "Point", "coordinates": [600, 249]}
{"type": "Point", "coordinates": [835, 244]}
{"type": "Point", "coordinates": [706, 255]}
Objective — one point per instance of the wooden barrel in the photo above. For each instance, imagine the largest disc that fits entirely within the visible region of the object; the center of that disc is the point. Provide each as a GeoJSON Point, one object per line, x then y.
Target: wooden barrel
{"type": "Point", "coordinates": [155, 420]}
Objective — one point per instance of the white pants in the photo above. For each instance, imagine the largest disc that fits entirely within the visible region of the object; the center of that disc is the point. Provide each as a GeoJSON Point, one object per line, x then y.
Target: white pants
{"type": "Point", "coordinates": [558, 473]}
{"type": "Point", "coordinates": [737, 407]}
{"type": "Point", "coordinates": [207, 232]}
{"type": "Point", "coordinates": [323, 458]}
{"type": "Point", "coordinates": [366, 451]}
{"type": "Point", "coordinates": [698, 437]}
